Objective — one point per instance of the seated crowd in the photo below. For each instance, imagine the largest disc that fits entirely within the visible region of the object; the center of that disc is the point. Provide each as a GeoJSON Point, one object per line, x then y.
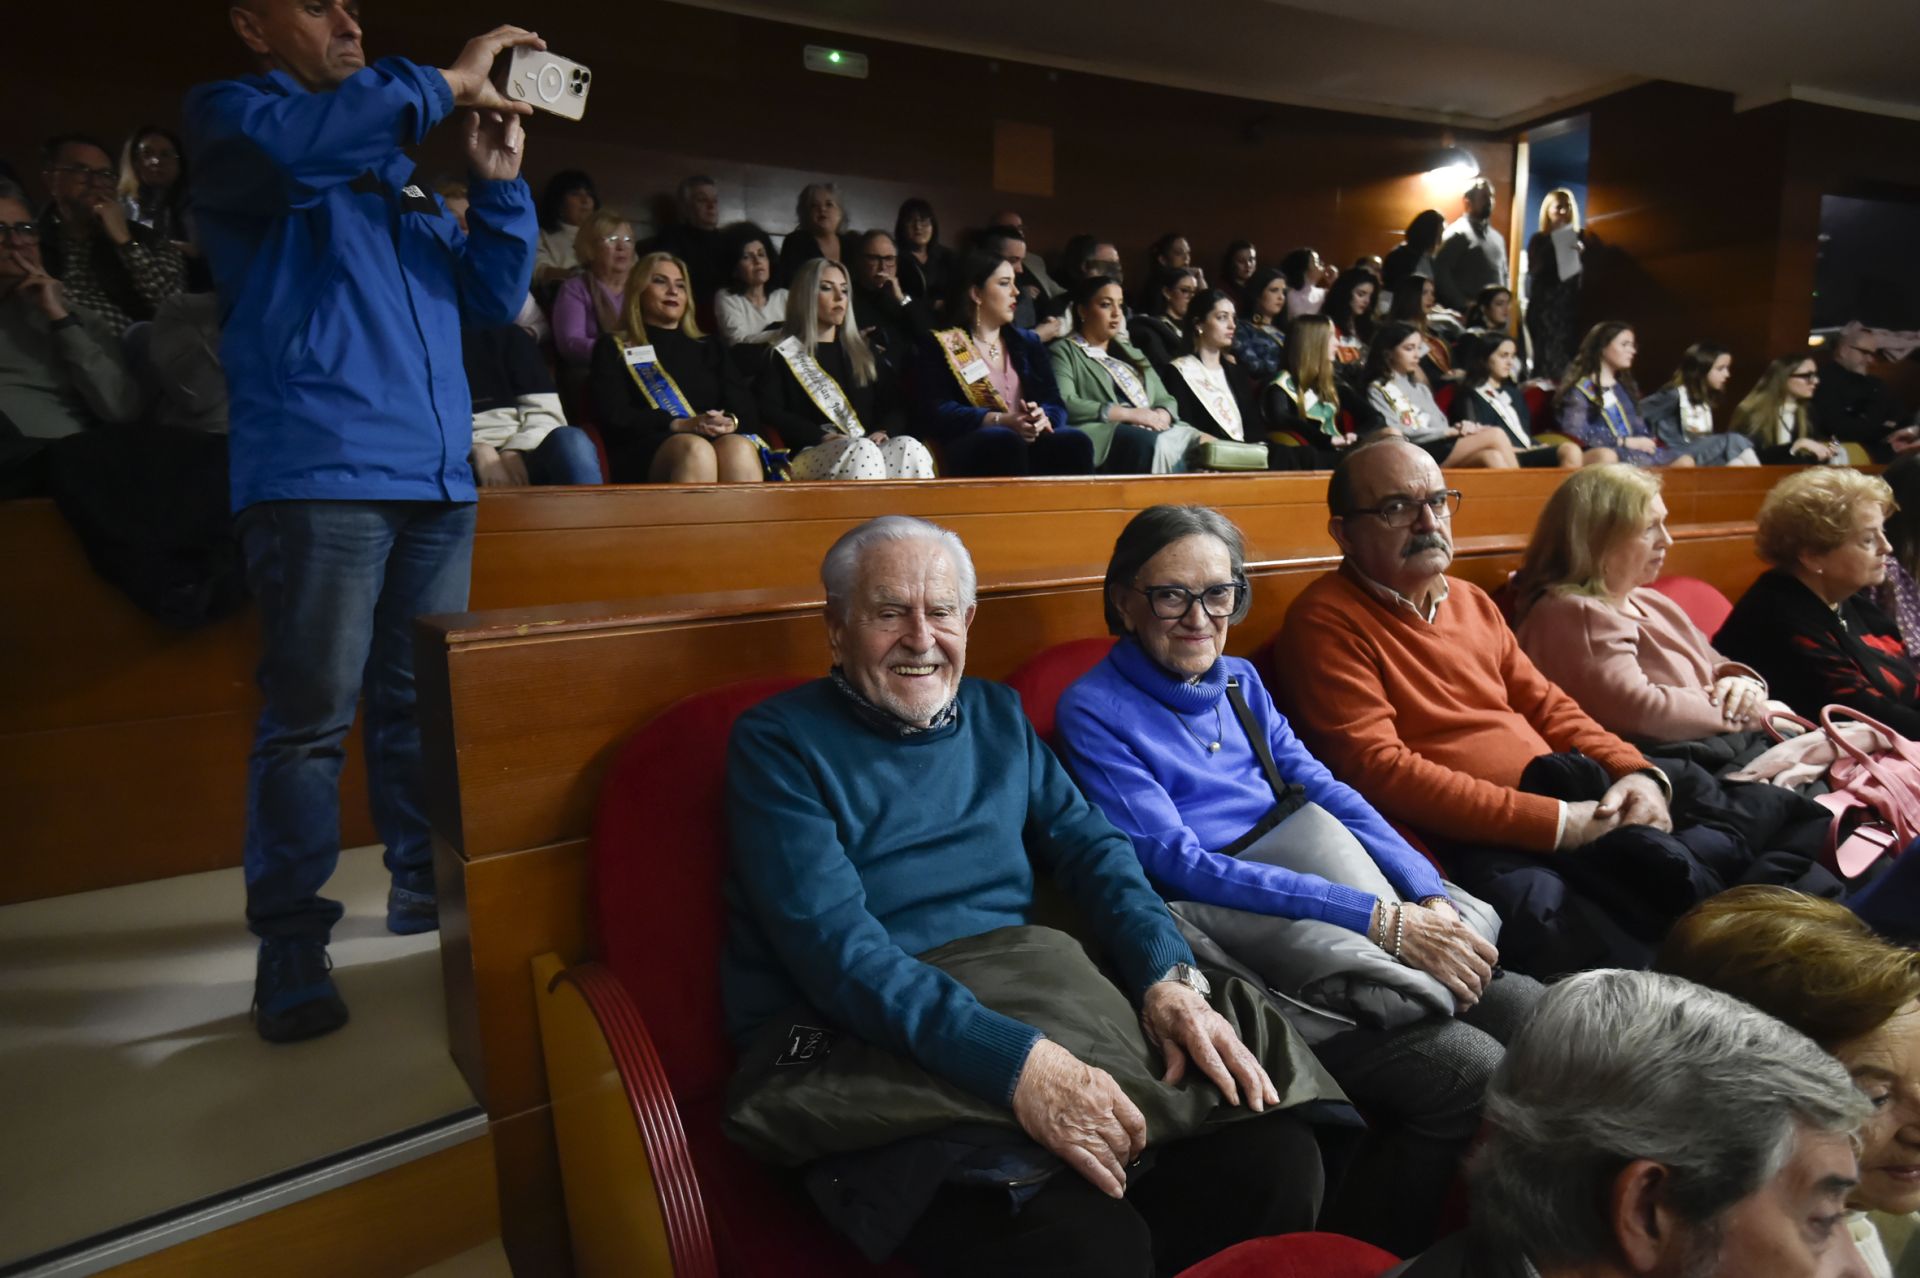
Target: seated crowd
{"type": "Point", "coordinates": [1424, 343]}
{"type": "Point", "coordinates": [1328, 1018]}
{"type": "Point", "coordinates": [1313, 941]}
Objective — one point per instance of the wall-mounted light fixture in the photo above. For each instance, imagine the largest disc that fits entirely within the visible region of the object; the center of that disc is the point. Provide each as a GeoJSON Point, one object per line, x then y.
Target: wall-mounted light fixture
{"type": "Point", "coordinates": [1452, 168]}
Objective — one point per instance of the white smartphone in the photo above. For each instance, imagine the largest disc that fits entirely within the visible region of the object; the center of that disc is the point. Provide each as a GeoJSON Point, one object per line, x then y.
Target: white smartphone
{"type": "Point", "coordinates": [546, 80]}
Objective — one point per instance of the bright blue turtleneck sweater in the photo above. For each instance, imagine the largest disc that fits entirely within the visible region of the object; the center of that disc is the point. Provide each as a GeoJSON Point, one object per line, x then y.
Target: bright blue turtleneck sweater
{"type": "Point", "coordinates": [1134, 736]}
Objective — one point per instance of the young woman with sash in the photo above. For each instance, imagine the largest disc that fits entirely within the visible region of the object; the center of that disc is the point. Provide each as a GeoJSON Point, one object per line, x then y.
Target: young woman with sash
{"type": "Point", "coordinates": [986, 388]}
{"type": "Point", "coordinates": [1597, 404]}
{"type": "Point", "coordinates": [827, 396]}
{"type": "Point", "coordinates": [1303, 402]}
{"type": "Point", "coordinates": [1349, 305]}
{"type": "Point", "coordinates": [1399, 400]}
{"type": "Point", "coordinates": [1412, 305]}
{"type": "Point", "coordinates": [1489, 395]}
{"type": "Point", "coordinates": [1112, 393]}
{"type": "Point", "coordinates": [1209, 389]}
{"type": "Point", "coordinates": [669, 403]}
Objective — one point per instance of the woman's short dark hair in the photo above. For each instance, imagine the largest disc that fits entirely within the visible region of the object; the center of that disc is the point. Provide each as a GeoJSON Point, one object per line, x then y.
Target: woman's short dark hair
{"type": "Point", "coordinates": [734, 240]}
{"type": "Point", "coordinates": [1152, 531]}
{"type": "Point", "coordinates": [559, 187]}
{"type": "Point", "coordinates": [1075, 256]}
{"type": "Point", "coordinates": [1409, 301]}
{"type": "Point", "coordinates": [910, 209]}
{"type": "Point", "coordinates": [1262, 280]}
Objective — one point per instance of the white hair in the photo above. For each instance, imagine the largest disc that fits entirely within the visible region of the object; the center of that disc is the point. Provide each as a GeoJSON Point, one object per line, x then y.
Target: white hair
{"type": "Point", "coordinates": [840, 570]}
{"type": "Point", "coordinates": [1617, 1066]}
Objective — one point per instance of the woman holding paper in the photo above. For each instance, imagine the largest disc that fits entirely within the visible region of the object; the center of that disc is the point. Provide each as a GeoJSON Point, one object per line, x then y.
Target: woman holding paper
{"type": "Point", "coordinates": [1553, 283]}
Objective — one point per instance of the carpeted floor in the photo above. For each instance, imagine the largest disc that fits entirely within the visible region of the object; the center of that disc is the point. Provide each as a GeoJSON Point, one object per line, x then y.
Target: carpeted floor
{"type": "Point", "coordinates": [131, 1081]}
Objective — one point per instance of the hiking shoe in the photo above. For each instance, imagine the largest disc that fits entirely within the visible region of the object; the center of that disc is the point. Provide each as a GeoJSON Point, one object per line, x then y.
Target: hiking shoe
{"type": "Point", "coordinates": [410, 912]}
{"type": "Point", "coordinates": [294, 996]}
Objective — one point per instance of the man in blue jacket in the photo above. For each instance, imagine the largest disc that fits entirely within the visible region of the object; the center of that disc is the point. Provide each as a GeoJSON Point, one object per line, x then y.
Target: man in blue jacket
{"type": "Point", "coordinates": [344, 287]}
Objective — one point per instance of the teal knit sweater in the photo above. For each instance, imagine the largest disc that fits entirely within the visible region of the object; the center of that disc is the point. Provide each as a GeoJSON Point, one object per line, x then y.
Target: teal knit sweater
{"type": "Point", "coordinates": [854, 850]}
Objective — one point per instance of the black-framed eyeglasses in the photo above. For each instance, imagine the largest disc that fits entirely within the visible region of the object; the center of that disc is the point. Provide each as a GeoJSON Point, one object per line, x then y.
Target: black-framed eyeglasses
{"type": "Point", "coordinates": [99, 177]}
{"type": "Point", "coordinates": [1401, 512]}
{"type": "Point", "coordinates": [883, 259]}
{"type": "Point", "coordinates": [1171, 603]}
{"type": "Point", "coordinates": [20, 232]}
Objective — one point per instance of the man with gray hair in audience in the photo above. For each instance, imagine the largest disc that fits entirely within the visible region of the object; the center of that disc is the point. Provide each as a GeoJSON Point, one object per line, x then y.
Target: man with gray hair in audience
{"type": "Point", "coordinates": [888, 824]}
{"type": "Point", "coordinates": [1644, 1125]}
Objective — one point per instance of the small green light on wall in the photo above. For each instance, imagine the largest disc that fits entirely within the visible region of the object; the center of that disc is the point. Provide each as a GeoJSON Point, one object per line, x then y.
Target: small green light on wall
{"type": "Point", "coordinates": [836, 62]}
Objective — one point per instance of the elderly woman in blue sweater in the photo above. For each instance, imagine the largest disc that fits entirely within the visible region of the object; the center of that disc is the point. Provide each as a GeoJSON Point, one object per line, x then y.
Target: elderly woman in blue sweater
{"type": "Point", "coordinates": [1275, 865]}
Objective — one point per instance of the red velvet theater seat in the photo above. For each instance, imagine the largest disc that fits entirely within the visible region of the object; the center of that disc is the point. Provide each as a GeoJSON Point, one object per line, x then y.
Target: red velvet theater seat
{"type": "Point", "coordinates": [1043, 678]}
{"type": "Point", "coordinates": [1704, 605]}
{"type": "Point", "coordinates": [1296, 1256]}
{"type": "Point", "coordinates": [658, 856]}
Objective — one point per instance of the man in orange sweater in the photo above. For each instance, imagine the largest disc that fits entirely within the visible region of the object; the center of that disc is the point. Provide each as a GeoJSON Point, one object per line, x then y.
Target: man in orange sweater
{"type": "Point", "coordinates": [1412, 688]}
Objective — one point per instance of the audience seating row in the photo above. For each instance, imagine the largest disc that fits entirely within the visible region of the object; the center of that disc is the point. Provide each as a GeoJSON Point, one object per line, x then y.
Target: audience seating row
{"type": "Point", "coordinates": [105, 700]}
{"type": "Point", "coordinates": [524, 711]}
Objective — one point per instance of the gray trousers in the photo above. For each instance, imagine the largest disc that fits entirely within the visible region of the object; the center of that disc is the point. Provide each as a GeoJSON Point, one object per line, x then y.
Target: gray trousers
{"type": "Point", "coordinates": [1420, 1089]}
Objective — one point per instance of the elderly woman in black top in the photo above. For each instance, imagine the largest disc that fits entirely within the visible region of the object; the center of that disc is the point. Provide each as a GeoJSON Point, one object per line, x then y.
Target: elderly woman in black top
{"type": "Point", "coordinates": [1807, 625]}
{"type": "Point", "coordinates": [671, 408]}
{"type": "Point", "coordinates": [820, 230]}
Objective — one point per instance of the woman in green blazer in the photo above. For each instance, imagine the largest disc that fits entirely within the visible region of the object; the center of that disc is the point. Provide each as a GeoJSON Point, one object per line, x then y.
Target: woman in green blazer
{"type": "Point", "coordinates": [1113, 394]}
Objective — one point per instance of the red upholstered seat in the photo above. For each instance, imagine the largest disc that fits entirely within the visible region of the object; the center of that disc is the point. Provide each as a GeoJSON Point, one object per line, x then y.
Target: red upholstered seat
{"type": "Point", "coordinates": [1443, 397]}
{"type": "Point", "coordinates": [1043, 678]}
{"type": "Point", "coordinates": [1704, 605]}
{"type": "Point", "coordinates": [1539, 408]}
{"type": "Point", "coordinates": [1296, 1256]}
{"type": "Point", "coordinates": [659, 853]}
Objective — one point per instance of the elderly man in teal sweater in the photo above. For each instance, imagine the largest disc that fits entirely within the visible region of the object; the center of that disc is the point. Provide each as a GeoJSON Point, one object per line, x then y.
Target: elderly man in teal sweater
{"type": "Point", "coordinates": [894, 807]}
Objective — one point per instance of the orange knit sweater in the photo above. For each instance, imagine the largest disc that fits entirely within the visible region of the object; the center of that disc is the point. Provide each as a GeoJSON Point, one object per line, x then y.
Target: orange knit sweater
{"type": "Point", "coordinates": [1432, 723]}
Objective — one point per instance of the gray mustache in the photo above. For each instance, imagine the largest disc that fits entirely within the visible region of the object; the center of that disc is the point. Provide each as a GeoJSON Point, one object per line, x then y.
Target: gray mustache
{"type": "Point", "coordinates": [1424, 542]}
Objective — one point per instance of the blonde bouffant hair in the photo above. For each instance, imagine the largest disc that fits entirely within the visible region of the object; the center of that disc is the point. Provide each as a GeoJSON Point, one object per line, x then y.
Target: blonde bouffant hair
{"type": "Point", "coordinates": [1587, 516]}
{"type": "Point", "coordinates": [1812, 512]}
{"type": "Point", "coordinates": [633, 327]}
{"type": "Point", "coordinates": [1803, 960]}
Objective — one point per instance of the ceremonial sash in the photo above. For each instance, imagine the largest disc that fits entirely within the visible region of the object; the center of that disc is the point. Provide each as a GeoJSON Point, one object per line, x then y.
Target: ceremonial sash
{"type": "Point", "coordinates": [1125, 379]}
{"type": "Point", "coordinates": [1405, 409]}
{"type": "Point", "coordinates": [970, 370]}
{"type": "Point", "coordinates": [1504, 406]}
{"type": "Point", "coordinates": [1613, 415]}
{"type": "Point", "coordinates": [1313, 408]}
{"type": "Point", "coordinates": [665, 395]}
{"type": "Point", "coordinates": [826, 394]}
{"type": "Point", "coordinates": [1218, 402]}
{"type": "Point", "coordinates": [662, 392]}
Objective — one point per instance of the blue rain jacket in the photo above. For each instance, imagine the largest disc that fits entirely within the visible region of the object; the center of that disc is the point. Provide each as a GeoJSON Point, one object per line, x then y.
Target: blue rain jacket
{"type": "Point", "coordinates": [344, 284]}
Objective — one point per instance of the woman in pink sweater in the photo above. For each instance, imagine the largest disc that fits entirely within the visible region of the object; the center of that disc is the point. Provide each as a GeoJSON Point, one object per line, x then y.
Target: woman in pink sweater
{"type": "Point", "coordinates": [1588, 619]}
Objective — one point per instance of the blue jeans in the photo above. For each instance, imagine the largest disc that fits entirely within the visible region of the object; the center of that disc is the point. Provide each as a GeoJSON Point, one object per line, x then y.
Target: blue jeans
{"type": "Point", "coordinates": [565, 456]}
{"type": "Point", "coordinates": [338, 584]}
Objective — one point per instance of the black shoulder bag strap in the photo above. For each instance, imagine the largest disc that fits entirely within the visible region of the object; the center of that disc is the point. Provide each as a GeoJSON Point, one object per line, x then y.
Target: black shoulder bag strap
{"type": "Point", "coordinates": [1287, 799]}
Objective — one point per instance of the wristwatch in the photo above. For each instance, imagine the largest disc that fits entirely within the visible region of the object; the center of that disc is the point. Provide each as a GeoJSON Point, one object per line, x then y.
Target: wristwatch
{"type": "Point", "coordinates": [1188, 975]}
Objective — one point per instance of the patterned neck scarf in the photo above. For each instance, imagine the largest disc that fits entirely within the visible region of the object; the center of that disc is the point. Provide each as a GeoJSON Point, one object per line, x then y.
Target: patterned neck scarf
{"type": "Point", "coordinates": [886, 721]}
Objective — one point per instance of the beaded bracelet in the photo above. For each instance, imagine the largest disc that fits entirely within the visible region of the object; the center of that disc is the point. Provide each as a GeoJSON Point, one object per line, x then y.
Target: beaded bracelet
{"type": "Point", "coordinates": [1399, 930]}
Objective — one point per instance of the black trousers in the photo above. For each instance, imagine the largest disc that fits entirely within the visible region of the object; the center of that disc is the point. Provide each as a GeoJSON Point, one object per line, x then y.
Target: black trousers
{"type": "Point", "coordinates": [1250, 1178]}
